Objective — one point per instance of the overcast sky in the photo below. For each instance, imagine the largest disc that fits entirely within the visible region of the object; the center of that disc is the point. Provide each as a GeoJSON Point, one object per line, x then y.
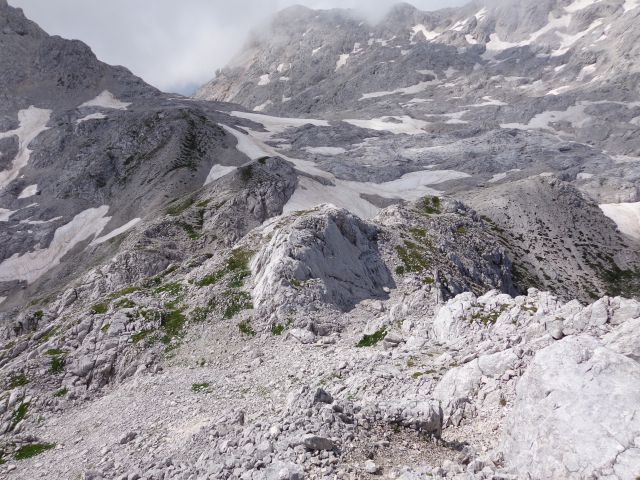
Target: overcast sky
{"type": "Point", "coordinates": [175, 45]}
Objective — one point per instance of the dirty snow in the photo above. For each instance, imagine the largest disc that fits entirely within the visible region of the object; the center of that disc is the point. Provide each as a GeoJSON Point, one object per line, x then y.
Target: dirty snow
{"type": "Point", "coordinates": [347, 194]}
{"type": "Point", "coordinates": [33, 121]}
{"type": "Point", "coordinates": [29, 191]}
{"type": "Point", "coordinates": [106, 100]}
{"type": "Point", "coordinates": [328, 151]}
{"type": "Point", "coordinates": [279, 124]}
{"type": "Point", "coordinates": [91, 116]}
{"type": "Point", "coordinates": [32, 265]}
{"type": "Point", "coordinates": [118, 231]}
{"type": "Point", "coordinates": [393, 124]}
{"type": "Point", "coordinates": [626, 216]}
{"type": "Point", "coordinates": [574, 115]}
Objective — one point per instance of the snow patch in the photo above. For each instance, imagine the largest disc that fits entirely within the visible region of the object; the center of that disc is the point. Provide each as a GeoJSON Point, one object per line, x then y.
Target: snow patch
{"type": "Point", "coordinates": [327, 151]}
{"type": "Point", "coordinates": [91, 116]}
{"type": "Point", "coordinates": [118, 231]}
{"type": "Point", "coordinates": [342, 61]}
{"type": "Point", "coordinates": [246, 145]}
{"type": "Point", "coordinates": [625, 215]}
{"type": "Point", "coordinates": [348, 194]}
{"type": "Point", "coordinates": [106, 100]}
{"type": "Point", "coordinates": [279, 124]}
{"type": "Point", "coordinates": [33, 121]}
{"type": "Point", "coordinates": [219, 171]}
{"type": "Point", "coordinates": [393, 124]}
{"type": "Point", "coordinates": [488, 101]}
{"type": "Point", "coordinates": [29, 191]}
{"type": "Point", "coordinates": [264, 80]}
{"type": "Point", "coordinates": [5, 214]}
{"type": "Point", "coordinates": [32, 265]}
{"type": "Point", "coordinates": [428, 34]}
{"type": "Point", "coordinates": [262, 106]}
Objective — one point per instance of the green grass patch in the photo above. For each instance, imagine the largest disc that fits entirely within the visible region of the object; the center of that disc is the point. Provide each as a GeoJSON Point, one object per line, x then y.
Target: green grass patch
{"type": "Point", "coordinates": [373, 339]}
{"type": "Point", "coordinates": [60, 393]}
{"type": "Point", "coordinates": [47, 336]}
{"type": "Point", "coordinates": [124, 291]}
{"type": "Point", "coordinates": [431, 205]}
{"type": "Point", "coordinates": [412, 257]}
{"type": "Point", "coordinates": [141, 335]}
{"type": "Point", "coordinates": [237, 264]}
{"type": "Point", "coordinates": [199, 314]}
{"type": "Point", "coordinates": [54, 351]}
{"type": "Point", "coordinates": [235, 303]}
{"type": "Point", "coordinates": [19, 414]}
{"type": "Point", "coordinates": [488, 318]}
{"type": "Point", "coordinates": [418, 233]}
{"type": "Point", "coordinates": [18, 380]}
{"type": "Point", "coordinates": [190, 230]}
{"type": "Point", "coordinates": [32, 449]}
{"type": "Point", "coordinates": [177, 207]}
{"type": "Point", "coordinates": [172, 323]}
{"type": "Point", "coordinates": [277, 329]}
{"type": "Point", "coordinates": [99, 308]}
{"type": "Point", "coordinates": [125, 303]}
{"type": "Point", "coordinates": [105, 328]}
{"type": "Point", "coordinates": [246, 173]}
{"type": "Point", "coordinates": [38, 314]}
{"type": "Point", "coordinates": [461, 230]}
{"type": "Point", "coordinates": [174, 289]}
{"type": "Point", "coordinates": [57, 365]}
{"type": "Point", "coordinates": [200, 388]}
{"type": "Point", "coordinates": [246, 328]}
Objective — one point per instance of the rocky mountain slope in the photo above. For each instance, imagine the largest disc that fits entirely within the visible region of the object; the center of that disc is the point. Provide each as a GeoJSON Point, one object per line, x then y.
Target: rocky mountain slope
{"type": "Point", "coordinates": [195, 290]}
{"type": "Point", "coordinates": [498, 91]}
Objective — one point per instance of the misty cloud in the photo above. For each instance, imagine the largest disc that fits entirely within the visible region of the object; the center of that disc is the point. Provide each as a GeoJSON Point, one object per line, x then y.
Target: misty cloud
{"type": "Point", "coordinates": [176, 45]}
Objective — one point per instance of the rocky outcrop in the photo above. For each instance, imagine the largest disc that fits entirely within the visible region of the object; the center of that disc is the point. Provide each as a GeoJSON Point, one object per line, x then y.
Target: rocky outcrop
{"type": "Point", "coordinates": [575, 411]}
{"type": "Point", "coordinates": [325, 256]}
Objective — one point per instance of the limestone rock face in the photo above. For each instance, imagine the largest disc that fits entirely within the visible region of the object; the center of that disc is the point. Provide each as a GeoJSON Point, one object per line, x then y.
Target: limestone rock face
{"type": "Point", "coordinates": [575, 413]}
{"type": "Point", "coordinates": [327, 255]}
